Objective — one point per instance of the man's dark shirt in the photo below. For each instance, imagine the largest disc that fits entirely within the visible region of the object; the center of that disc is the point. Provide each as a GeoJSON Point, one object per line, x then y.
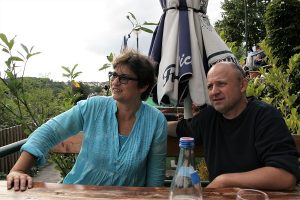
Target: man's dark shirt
{"type": "Point", "coordinates": [258, 137]}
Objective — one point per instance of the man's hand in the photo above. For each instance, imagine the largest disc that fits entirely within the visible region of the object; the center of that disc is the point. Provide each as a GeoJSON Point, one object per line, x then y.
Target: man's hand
{"type": "Point", "coordinates": [218, 182]}
{"type": "Point", "coordinates": [18, 180]}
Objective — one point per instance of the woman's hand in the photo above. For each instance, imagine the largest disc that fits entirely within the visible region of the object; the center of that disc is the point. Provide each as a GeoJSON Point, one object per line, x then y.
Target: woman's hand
{"type": "Point", "coordinates": [18, 180]}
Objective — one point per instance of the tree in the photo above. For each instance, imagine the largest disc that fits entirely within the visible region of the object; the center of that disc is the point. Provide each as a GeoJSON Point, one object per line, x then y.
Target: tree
{"type": "Point", "coordinates": [26, 101]}
{"type": "Point", "coordinates": [15, 67]}
{"type": "Point", "coordinates": [233, 21]}
{"type": "Point", "coordinates": [275, 88]}
{"type": "Point", "coordinates": [136, 28]}
{"type": "Point", "coordinates": [236, 49]}
{"type": "Point", "coordinates": [282, 20]}
{"type": "Point", "coordinates": [71, 74]}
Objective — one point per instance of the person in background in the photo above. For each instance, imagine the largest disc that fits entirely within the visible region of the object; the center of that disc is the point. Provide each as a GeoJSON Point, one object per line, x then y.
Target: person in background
{"type": "Point", "coordinates": [259, 60]}
{"type": "Point", "coordinates": [124, 141]}
{"type": "Point", "coordinates": [246, 142]}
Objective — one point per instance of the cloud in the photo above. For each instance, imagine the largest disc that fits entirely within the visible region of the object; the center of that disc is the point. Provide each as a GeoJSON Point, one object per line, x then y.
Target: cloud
{"type": "Point", "coordinates": [82, 32]}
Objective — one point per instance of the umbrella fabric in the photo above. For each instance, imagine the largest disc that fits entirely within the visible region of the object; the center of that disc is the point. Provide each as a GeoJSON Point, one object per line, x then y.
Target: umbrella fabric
{"type": "Point", "coordinates": [185, 45]}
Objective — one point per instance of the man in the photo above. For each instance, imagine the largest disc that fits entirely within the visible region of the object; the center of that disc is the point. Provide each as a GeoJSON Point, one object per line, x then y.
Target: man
{"type": "Point", "coordinates": [259, 58]}
{"type": "Point", "coordinates": [246, 142]}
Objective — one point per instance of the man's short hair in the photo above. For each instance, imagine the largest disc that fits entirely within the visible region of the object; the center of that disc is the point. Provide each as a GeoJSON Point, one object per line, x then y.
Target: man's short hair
{"type": "Point", "coordinates": [236, 67]}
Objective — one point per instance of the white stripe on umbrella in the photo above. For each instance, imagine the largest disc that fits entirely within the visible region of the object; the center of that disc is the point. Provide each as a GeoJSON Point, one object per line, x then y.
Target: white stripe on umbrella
{"type": "Point", "coordinates": [206, 48]}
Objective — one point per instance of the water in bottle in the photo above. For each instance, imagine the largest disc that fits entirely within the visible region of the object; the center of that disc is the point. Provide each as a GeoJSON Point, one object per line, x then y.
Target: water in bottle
{"type": "Point", "coordinates": [186, 181]}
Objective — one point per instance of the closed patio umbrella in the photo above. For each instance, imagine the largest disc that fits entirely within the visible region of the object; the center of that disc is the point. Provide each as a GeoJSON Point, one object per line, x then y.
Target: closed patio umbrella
{"type": "Point", "coordinates": [185, 46]}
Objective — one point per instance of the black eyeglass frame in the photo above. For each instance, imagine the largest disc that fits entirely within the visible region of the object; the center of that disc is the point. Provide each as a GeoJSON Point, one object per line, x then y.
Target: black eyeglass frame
{"type": "Point", "coordinates": [122, 78]}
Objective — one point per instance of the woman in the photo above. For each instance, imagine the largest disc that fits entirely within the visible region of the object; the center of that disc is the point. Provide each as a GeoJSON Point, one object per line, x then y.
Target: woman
{"type": "Point", "coordinates": [124, 139]}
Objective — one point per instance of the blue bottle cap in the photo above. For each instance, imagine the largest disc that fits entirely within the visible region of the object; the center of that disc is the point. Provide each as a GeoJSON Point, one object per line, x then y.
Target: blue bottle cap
{"type": "Point", "coordinates": [195, 178]}
{"type": "Point", "coordinates": [186, 142]}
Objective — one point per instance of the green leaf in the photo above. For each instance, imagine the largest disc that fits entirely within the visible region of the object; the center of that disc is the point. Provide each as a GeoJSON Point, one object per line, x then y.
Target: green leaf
{"type": "Point", "coordinates": [11, 43]}
{"type": "Point", "coordinates": [4, 39]}
{"type": "Point", "coordinates": [66, 75]}
{"type": "Point", "coordinates": [15, 58]}
{"type": "Point", "coordinates": [146, 30]}
{"type": "Point", "coordinates": [137, 28]}
{"type": "Point", "coordinates": [150, 24]}
{"type": "Point", "coordinates": [8, 62]}
{"type": "Point", "coordinates": [25, 48]}
{"type": "Point", "coordinates": [31, 49]}
{"type": "Point", "coordinates": [5, 50]}
{"type": "Point", "coordinates": [76, 65]}
{"type": "Point", "coordinates": [9, 74]}
{"type": "Point", "coordinates": [30, 55]}
{"type": "Point", "coordinates": [66, 69]}
{"type": "Point", "coordinates": [21, 54]}
{"type": "Point", "coordinates": [132, 15]}
{"type": "Point", "coordinates": [76, 74]}
{"type": "Point", "coordinates": [105, 66]}
{"type": "Point", "coordinates": [110, 57]}
{"type": "Point", "coordinates": [73, 69]}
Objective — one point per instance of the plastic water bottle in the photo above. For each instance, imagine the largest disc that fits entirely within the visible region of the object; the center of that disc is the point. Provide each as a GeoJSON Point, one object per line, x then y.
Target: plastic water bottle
{"type": "Point", "coordinates": [186, 181]}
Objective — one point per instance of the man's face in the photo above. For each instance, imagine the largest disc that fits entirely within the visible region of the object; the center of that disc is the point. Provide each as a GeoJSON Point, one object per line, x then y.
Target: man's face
{"type": "Point", "coordinates": [226, 90]}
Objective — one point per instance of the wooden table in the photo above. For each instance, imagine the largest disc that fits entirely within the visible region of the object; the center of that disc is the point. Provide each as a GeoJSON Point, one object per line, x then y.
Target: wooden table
{"type": "Point", "coordinates": [51, 191]}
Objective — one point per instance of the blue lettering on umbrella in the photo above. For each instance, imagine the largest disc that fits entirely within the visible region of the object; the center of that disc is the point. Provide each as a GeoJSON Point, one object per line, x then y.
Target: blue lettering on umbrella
{"type": "Point", "coordinates": [170, 70]}
{"type": "Point", "coordinates": [185, 60]}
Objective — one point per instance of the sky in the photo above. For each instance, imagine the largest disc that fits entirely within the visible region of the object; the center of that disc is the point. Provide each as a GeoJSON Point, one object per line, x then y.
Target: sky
{"type": "Point", "coordinates": [82, 32]}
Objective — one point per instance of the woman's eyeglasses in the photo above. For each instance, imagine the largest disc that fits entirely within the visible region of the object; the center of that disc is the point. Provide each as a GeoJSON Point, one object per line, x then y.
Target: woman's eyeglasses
{"type": "Point", "coordinates": [123, 78]}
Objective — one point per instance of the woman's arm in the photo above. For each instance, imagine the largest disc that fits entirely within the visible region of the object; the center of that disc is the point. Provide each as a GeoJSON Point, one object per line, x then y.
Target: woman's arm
{"type": "Point", "coordinates": [38, 144]}
{"type": "Point", "coordinates": [156, 161]}
{"type": "Point", "coordinates": [18, 177]}
{"type": "Point", "coordinates": [53, 132]}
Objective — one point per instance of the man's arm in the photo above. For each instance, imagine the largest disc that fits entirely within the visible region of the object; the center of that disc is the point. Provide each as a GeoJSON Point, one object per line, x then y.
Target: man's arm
{"type": "Point", "coordinates": [270, 178]}
{"type": "Point", "coordinates": [185, 128]}
{"type": "Point", "coordinates": [172, 128]}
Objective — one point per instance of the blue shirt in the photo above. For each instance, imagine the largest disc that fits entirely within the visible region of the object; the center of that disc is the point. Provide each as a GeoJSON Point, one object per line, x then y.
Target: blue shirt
{"type": "Point", "coordinates": [122, 140]}
{"type": "Point", "coordinates": [140, 161]}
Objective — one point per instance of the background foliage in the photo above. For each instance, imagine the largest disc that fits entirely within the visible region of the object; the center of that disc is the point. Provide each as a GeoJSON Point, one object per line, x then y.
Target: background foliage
{"type": "Point", "coordinates": [274, 87]}
{"type": "Point", "coordinates": [282, 20]}
{"type": "Point", "coordinates": [32, 101]}
{"type": "Point", "coordinates": [233, 22]}
{"type": "Point", "coordinates": [275, 25]}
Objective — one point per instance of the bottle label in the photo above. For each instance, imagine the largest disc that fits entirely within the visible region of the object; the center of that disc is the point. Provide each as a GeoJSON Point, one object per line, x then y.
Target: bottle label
{"type": "Point", "coordinates": [195, 178]}
{"type": "Point", "coordinates": [185, 171]}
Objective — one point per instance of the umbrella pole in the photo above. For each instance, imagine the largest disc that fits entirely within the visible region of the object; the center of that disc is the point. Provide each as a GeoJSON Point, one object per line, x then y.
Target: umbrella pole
{"type": "Point", "coordinates": [187, 110]}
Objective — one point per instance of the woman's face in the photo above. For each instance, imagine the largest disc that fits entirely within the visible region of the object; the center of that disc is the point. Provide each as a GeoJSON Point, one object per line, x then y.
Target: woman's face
{"type": "Point", "coordinates": [124, 85]}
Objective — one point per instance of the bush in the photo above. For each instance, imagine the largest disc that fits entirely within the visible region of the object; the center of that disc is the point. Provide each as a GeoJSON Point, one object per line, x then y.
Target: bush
{"type": "Point", "coordinates": [274, 87]}
{"type": "Point", "coordinates": [282, 24]}
{"type": "Point", "coordinates": [283, 28]}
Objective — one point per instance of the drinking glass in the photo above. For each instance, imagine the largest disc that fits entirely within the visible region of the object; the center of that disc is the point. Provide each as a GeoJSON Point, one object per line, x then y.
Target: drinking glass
{"type": "Point", "coordinates": [251, 194]}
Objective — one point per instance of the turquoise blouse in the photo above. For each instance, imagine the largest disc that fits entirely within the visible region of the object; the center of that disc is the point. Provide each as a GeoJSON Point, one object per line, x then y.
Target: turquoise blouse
{"type": "Point", "coordinates": [140, 161]}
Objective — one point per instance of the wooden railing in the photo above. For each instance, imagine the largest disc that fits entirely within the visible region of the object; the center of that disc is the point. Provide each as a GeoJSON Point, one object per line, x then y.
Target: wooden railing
{"type": "Point", "coordinates": [9, 136]}
{"type": "Point", "coordinates": [16, 135]}
{"type": "Point", "coordinates": [73, 145]}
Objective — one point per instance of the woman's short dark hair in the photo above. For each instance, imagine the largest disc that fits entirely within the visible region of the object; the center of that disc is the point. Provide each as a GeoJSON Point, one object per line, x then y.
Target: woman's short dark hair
{"type": "Point", "coordinates": [142, 66]}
